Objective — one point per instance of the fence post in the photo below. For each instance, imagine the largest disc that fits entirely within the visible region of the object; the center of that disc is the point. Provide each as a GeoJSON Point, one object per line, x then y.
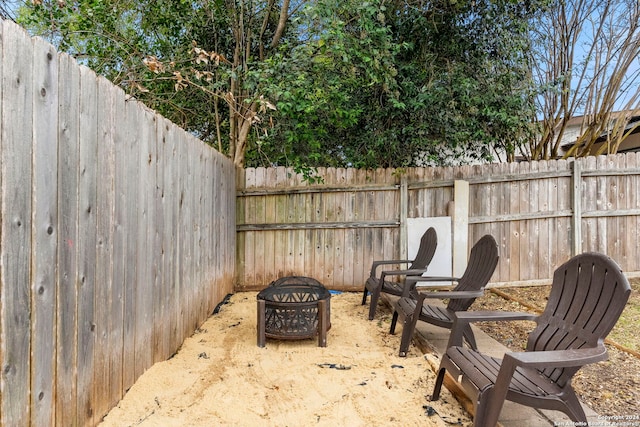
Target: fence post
{"type": "Point", "coordinates": [576, 217]}
{"type": "Point", "coordinates": [460, 226]}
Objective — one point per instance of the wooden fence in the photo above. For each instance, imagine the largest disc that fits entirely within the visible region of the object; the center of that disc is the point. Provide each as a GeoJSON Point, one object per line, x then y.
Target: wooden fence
{"type": "Point", "coordinates": [540, 213]}
{"type": "Point", "coordinates": [117, 237]}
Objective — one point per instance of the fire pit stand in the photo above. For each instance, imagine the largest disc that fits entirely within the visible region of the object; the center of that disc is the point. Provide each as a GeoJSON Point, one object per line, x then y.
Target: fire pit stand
{"type": "Point", "coordinates": [292, 308]}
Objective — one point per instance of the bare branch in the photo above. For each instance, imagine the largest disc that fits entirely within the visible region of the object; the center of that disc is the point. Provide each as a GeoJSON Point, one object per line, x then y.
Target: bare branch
{"type": "Point", "coordinates": [584, 65]}
{"type": "Point", "coordinates": [282, 23]}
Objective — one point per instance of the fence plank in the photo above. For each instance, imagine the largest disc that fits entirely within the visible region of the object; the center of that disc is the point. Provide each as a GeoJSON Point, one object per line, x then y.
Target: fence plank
{"type": "Point", "coordinates": [602, 203]}
{"type": "Point", "coordinates": [564, 233]}
{"type": "Point", "coordinates": [127, 181]}
{"type": "Point", "coordinates": [105, 320]}
{"type": "Point", "coordinates": [67, 334]}
{"type": "Point", "coordinates": [155, 229]}
{"type": "Point", "coordinates": [161, 329]}
{"type": "Point", "coordinates": [631, 223]}
{"type": "Point", "coordinates": [93, 242]}
{"type": "Point", "coordinates": [170, 235]}
{"type": "Point", "coordinates": [617, 194]}
{"type": "Point", "coordinates": [44, 234]}
{"type": "Point", "coordinates": [15, 235]}
{"type": "Point", "coordinates": [545, 193]}
{"type": "Point", "coordinates": [143, 281]}
{"type": "Point", "coordinates": [87, 280]}
{"type": "Point", "coordinates": [181, 242]}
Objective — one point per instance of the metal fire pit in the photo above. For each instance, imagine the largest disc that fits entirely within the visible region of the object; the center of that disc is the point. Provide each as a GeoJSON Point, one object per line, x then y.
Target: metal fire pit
{"type": "Point", "coordinates": [293, 308]}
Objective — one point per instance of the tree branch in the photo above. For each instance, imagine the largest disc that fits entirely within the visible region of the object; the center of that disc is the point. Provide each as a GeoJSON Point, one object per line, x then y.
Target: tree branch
{"type": "Point", "coordinates": [282, 23]}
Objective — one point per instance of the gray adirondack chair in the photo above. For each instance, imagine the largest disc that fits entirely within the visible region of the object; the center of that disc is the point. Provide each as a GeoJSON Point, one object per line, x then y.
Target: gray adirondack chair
{"type": "Point", "coordinates": [377, 285]}
{"type": "Point", "coordinates": [411, 307]}
{"type": "Point", "coordinates": [587, 296]}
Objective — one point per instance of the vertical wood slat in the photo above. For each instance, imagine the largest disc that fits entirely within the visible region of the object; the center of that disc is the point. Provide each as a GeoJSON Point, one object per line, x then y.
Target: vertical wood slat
{"type": "Point", "coordinates": [576, 205]}
{"type": "Point", "coordinates": [548, 203]}
{"type": "Point", "coordinates": [98, 375]}
{"type": "Point", "coordinates": [564, 231]}
{"type": "Point", "coordinates": [110, 301]}
{"type": "Point", "coordinates": [181, 252]}
{"type": "Point", "coordinates": [143, 283]}
{"type": "Point", "coordinates": [617, 194]}
{"type": "Point", "coordinates": [279, 213]}
{"type": "Point", "coordinates": [67, 337]}
{"type": "Point", "coordinates": [602, 202]}
{"type": "Point", "coordinates": [15, 233]}
{"type": "Point", "coordinates": [631, 223]}
{"type": "Point", "coordinates": [514, 231]}
{"type": "Point", "coordinates": [129, 185]}
{"type": "Point", "coordinates": [160, 313]}
{"type": "Point", "coordinates": [44, 232]}
{"type": "Point", "coordinates": [86, 244]}
{"type": "Point", "coordinates": [171, 237]}
{"type": "Point", "coordinates": [104, 289]}
{"type": "Point", "coordinates": [542, 224]}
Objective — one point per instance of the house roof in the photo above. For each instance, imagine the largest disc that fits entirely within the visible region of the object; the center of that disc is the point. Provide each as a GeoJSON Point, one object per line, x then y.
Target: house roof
{"type": "Point", "coordinates": [578, 120]}
{"type": "Point", "coordinates": [633, 124]}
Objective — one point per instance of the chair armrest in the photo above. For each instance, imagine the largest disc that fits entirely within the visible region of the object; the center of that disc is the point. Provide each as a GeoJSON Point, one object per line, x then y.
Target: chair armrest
{"type": "Point", "coordinates": [376, 264]}
{"type": "Point", "coordinates": [541, 360]}
{"type": "Point", "coordinates": [490, 316]}
{"type": "Point", "coordinates": [449, 295]}
{"type": "Point", "coordinates": [410, 272]}
{"type": "Point", "coordinates": [558, 358]}
{"type": "Point", "coordinates": [421, 296]}
{"type": "Point", "coordinates": [416, 279]}
{"type": "Point", "coordinates": [462, 319]}
{"type": "Point", "coordinates": [412, 281]}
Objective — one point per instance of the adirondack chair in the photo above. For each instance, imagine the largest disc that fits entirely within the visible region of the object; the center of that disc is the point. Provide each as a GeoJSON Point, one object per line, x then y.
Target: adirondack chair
{"type": "Point", "coordinates": [587, 296]}
{"type": "Point", "coordinates": [411, 307]}
{"type": "Point", "coordinates": [376, 285]}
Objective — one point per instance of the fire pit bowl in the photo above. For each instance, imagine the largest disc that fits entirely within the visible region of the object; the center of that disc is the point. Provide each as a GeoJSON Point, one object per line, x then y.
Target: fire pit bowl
{"type": "Point", "coordinates": [293, 308]}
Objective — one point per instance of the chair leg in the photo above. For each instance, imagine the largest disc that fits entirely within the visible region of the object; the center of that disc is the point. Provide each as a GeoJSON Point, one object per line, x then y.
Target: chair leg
{"type": "Point", "coordinates": [394, 320]}
{"type": "Point", "coordinates": [373, 305]}
{"type": "Point", "coordinates": [408, 326]}
{"type": "Point", "coordinates": [369, 284]}
{"type": "Point", "coordinates": [364, 295]}
{"type": "Point", "coordinates": [438, 385]}
{"type": "Point", "coordinates": [574, 409]}
{"type": "Point", "coordinates": [487, 409]}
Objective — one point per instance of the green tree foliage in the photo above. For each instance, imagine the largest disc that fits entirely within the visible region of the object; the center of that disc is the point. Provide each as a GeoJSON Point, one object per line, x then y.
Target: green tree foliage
{"type": "Point", "coordinates": [314, 83]}
{"type": "Point", "coordinates": [451, 83]}
{"type": "Point", "coordinates": [463, 83]}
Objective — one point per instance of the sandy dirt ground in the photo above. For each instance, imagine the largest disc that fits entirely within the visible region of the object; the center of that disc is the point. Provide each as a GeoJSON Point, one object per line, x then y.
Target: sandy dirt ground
{"type": "Point", "coordinates": [220, 377]}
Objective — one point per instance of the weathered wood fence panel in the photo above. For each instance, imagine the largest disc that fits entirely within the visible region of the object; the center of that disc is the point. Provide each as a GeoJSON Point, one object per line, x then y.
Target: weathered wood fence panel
{"type": "Point", "coordinates": [15, 235]}
{"type": "Point", "coordinates": [329, 232]}
{"type": "Point", "coordinates": [117, 237]}
{"type": "Point", "coordinates": [539, 212]}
